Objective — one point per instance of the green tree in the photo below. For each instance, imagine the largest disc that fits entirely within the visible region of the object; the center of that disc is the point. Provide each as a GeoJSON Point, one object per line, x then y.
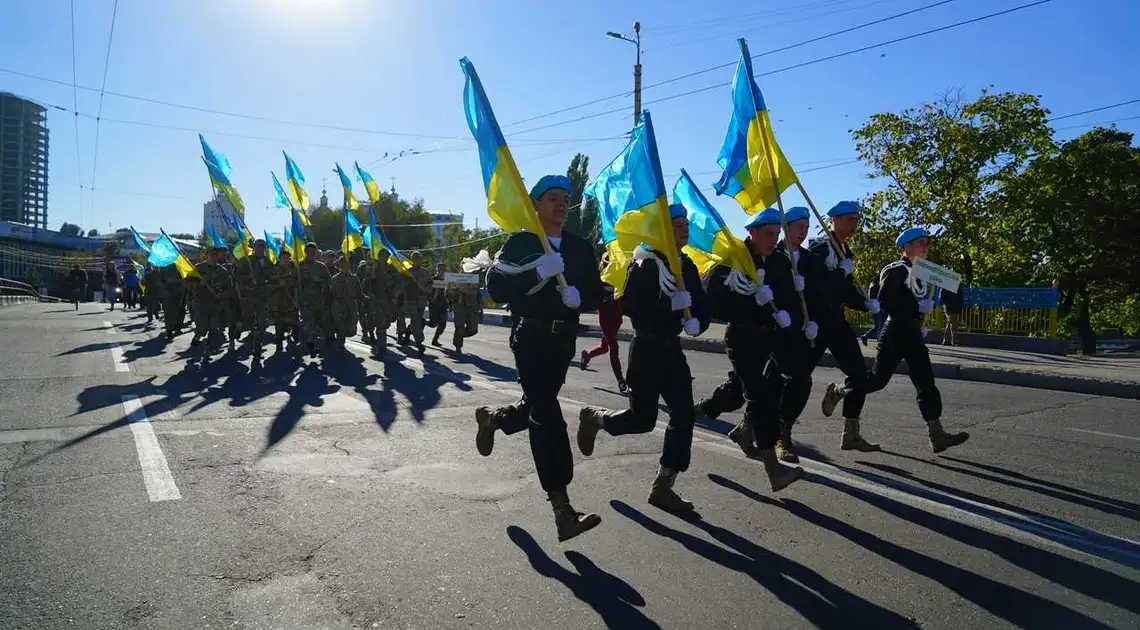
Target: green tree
{"type": "Point", "coordinates": [92, 233]}
{"type": "Point", "coordinates": [943, 163]}
{"type": "Point", "coordinates": [462, 243]}
{"type": "Point", "coordinates": [1074, 211]}
{"type": "Point", "coordinates": [70, 229]}
{"type": "Point", "coordinates": [583, 218]}
{"type": "Point", "coordinates": [327, 229]}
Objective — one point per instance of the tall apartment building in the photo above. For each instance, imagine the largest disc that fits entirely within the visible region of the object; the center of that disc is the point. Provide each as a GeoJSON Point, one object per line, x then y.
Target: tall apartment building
{"type": "Point", "coordinates": [23, 161]}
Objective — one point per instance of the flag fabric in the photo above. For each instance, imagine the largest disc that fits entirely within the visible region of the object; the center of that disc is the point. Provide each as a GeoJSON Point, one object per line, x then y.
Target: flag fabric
{"type": "Point", "coordinates": [272, 247]}
{"type": "Point", "coordinates": [214, 158]}
{"type": "Point", "coordinates": [287, 242]}
{"type": "Point", "coordinates": [298, 232]}
{"type": "Point", "coordinates": [139, 240]}
{"type": "Point", "coordinates": [632, 205]}
{"type": "Point", "coordinates": [219, 169]}
{"type": "Point", "coordinates": [164, 252]}
{"type": "Point", "coordinates": [754, 168]}
{"type": "Point", "coordinates": [508, 203]}
{"type": "Point", "coordinates": [353, 239]}
{"type": "Point", "coordinates": [369, 183]}
{"type": "Point", "coordinates": [284, 200]}
{"type": "Point", "coordinates": [372, 236]}
{"type": "Point", "coordinates": [296, 181]}
{"type": "Point", "coordinates": [350, 201]}
{"type": "Point", "coordinates": [243, 237]}
{"type": "Point", "coordinates": [398, 261]}
{"type": "Point", "coordinates": [710, 240]}
{"type": "Point", "coordinates": [214, 239]}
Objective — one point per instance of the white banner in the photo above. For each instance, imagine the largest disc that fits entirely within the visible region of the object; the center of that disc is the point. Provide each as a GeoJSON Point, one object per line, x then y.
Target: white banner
{"type": "Point", "coordinates": [461, 278]}
{"type": "Point", "coordinates": [937, 275]}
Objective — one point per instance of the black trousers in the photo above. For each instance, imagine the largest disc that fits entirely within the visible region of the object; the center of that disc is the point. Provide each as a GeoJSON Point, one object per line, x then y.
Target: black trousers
{"type": "Point", "coordinates": [658, 369]}
{"type": "Point", "coordinates": [839, 338]}
{"type": "Point", "coordinates": [542, 356]}
{"type": "Point", "coordinates": [788, 372]}
{"type": "Point", "coordinates": [749, 351]}
{"type": "Point", "coordinates": [902, 341]}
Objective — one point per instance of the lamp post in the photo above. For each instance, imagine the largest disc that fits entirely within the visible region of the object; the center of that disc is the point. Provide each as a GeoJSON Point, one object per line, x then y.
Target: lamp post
{"type": "Point", "coordinates": [636, 41]}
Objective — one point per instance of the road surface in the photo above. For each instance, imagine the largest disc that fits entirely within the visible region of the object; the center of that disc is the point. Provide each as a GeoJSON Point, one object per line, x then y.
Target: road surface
{"type": "Point", "coordinates": [138, 492]}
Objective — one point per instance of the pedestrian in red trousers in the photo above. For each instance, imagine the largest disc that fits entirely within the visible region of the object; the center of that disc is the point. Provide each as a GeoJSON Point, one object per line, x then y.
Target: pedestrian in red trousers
{"type": "Point", "coordinates": [609, 318]}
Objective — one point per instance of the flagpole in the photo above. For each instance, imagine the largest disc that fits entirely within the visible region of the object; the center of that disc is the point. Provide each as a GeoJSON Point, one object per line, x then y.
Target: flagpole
{"type": "Point", "coordinates": [827, 232]}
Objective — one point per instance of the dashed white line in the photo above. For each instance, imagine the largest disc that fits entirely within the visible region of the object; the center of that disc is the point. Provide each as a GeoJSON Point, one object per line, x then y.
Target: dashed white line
{"type": "Point", "coordinates": [1103, 434]}
{"type": "Point", "coordinates": [117, 357]}
{"type": "Point", "coordinates": [110, 327]}
{"type": "Point", "coordinates": [156, 473]}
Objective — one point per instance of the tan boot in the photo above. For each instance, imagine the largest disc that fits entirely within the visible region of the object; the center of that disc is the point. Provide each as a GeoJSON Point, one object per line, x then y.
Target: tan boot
{"type": "Point", "coordinates": [663, 496]}
{"type": "Point", "coordinates": [569, 522]}
{"type": "Point", "coordinates": [784, 450]}
{"type": "Point", "coordinates": [779, 475]}
{"type": "Point", "coordinates": [488, 421]}
{"type": "Point", "coordinates": [853, 441]}
{"type": "Point", "coordinates": [742, 435]}
{"type": "Point", "coordinates": [940, 440]}
{"type": "Point", "coordinates": [589, 423]}
{"type": "Point", "coordinates": [831, 398]}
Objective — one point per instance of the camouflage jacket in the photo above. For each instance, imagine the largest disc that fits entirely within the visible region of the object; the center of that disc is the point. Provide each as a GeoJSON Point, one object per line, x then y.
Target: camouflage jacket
{"type": "Point", "coordinates": [315, 282]}
{"type": "Point", "coordinates": [252, 275]}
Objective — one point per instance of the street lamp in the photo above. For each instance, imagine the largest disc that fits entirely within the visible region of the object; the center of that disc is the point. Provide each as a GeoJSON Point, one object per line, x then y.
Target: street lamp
{"type": "Point", "coordinates": [636, 41]}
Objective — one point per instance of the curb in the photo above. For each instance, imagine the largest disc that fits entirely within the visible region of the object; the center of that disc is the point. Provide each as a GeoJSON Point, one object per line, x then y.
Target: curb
{"type": "Point", "coordinates": [942, 370]}
{"type": "Point", "coordinates": [6, 300]}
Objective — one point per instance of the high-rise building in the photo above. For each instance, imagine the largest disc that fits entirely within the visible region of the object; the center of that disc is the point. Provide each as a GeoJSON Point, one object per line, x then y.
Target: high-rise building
{"type": "Point", "coordinates": [215, 215]}
{"type": "Point", "coordinates": [23, 161]}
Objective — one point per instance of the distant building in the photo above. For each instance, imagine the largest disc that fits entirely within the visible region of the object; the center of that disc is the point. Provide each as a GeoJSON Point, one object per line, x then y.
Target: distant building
{"type": "Point", "coordinates": [128, 246]}
{"type": "Point", "coordinates": [212, 216]}
{"type": "Point", "coordinates": [438, 221]}
{"type": "Point", "coordinates": [39, 257]}
{"type": "Point", "coordinates": [23, 161]}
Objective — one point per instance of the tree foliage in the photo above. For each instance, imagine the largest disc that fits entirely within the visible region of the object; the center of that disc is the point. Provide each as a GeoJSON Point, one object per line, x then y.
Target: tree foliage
{"type": "Point", "coordinates": [70, 229]}
{"type": "Point", "coordinates": [583, 217]}
{"type": "Point", "coordinates": [463, 243]}
{"type": "Point", "coordinates": [405, 223]}
{"type": "Point", "coordinates": [92, 233]}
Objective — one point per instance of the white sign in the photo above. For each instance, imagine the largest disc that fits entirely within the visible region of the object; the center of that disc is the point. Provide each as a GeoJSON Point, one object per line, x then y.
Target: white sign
{"type": "Point", "coordinates": [461, 278]}
{"type": "Point", "coordinates": [438, 284]}
{"type": "Point", "coordinates": [937, 275]}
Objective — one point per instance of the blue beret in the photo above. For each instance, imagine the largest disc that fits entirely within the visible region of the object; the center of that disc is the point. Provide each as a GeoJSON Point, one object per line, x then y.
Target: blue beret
{"type": "Point", "coordinates": [842, 208]}
{"type": "Point", "coordinates": [910, 235]}
{"type": "Point", "coordinates": [677, 210]}
{"type": "Point", "coordinates": [548, 182]}
{"type": "Point", "coordinates": [799, 213]}
{"type": "Point", "coordinates": [771, 216]}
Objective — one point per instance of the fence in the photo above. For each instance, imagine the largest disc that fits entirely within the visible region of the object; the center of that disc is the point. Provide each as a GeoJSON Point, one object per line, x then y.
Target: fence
{"type": "Point", "coordinates": [1029, 312]}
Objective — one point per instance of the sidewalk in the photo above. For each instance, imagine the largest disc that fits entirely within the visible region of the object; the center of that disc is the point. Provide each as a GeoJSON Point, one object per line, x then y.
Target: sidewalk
{"type": "Point", "coordinates": [1102, 376]}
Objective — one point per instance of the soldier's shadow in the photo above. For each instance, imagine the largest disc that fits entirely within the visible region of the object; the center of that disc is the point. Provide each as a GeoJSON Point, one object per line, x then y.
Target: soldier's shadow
{"type": "Point", "coordinates": [309, 389]}
{"type": "Point", "coordinates": [420, 390]}
{"type": "Point", "coordinates": [349, 371]}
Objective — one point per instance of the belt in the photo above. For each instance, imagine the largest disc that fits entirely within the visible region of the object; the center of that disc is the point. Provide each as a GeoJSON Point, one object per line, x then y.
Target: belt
{"type": "Point", "coordinates": [910, 323]}
{"type": "Point", "coordinates": [554, 326]}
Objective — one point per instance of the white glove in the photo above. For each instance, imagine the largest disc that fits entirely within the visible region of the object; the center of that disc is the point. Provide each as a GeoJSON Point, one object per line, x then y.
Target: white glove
{"type": "Point", "coordinates": [763, 295]}
{"type": "Point", "coordinates": [570, 296]}
{"type": "Point", "coordinates": [783, 320]}
{"type": "Point", "coordinates": [873, 306]}
{"type": "Point", "coordinates": [831, 261]}
{"type": "Point", "coordinates": [799, 282]}
{"type": "Point", "coordinates": [925, 306]}
{"type": "Point", "coordinates": [924, 331]}
{"type": "Point", "coordinates": [811, 330]}
{"type": "Point", "coordinates": [681, 300]}
{"type": "Point", "coordinates": [692, 327]}
{"type": "Point", "coordinates": [550, 265]}
{"type": "Point", "coordinates": [848, 266]}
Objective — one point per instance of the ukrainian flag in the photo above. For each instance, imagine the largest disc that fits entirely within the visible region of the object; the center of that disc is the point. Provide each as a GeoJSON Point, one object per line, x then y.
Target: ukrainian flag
{"type": "Point", "coordinates": [219, 170]}
{"type": "Point", "coordinates": [369, 183]}
{"type": "Point", "coordinates": [508, 202]}
{"type": "Point", "coordinates": [287, 243]}
{"type": "Point", "coordinates": [350, 201]}
{"type": "Point", "coordinates": [164, 252]}
{"type": "Point", "coordinates": [214, 239]}
{"type": "Point", "coordinates": [272, 247]}
{"type": "Point", "coordinates": [754, 168]}
{"type": "Point", "coordinates": [632, 205]}
{"type": "Point", "coordinates": [710, 240]}
{"type": "Point", "coordinates": [139, 240]}
{"type": "Point", "coordinates": [296, 182]}
{"type": "Point", "coordinates": [285, 201]}
{"type": "Point", "coordinates": [298, 233]}
{"type": "Point", "coordinates": [353, 238]}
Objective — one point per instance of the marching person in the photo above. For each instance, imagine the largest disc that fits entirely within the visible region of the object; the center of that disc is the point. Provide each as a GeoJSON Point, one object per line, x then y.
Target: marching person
{"type": "Point", "coordinates": [657, 365]}
{"type": "Point", "coordinates": [112, 281]}
{"type": "Point", "coordinates": [313, 287]}
{"type": "Point", "coordinates": [906, 299]}
{"type": "Point", "coordinates": [77, 280]}
{"type": "Point", "coordinates": [543, 342]}
{"type": "Point", "coordinates": [347, 294]}
{"type": "Point", "coordinates": [417, 291]}
{"type": "Point", "coordinates": [754, 318]}
{"type": "Point", "coordinates": [464, 300]}
{"type": "Point", "coordinates": [437, 304]}
{"type": "Point", "coordinates": [609, 320]}
{"type": "Point", "coordinates": [252, 277]}
{"type": "Point", "coordinates": [283, 299]}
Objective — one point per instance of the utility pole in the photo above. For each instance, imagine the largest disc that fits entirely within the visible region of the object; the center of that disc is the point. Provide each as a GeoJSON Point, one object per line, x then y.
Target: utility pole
{"type": "Point", "coordinates": [636, 41]}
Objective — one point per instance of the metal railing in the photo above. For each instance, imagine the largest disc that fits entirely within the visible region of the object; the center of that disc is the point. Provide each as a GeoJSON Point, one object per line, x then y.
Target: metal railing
{"type": "Point", "coordinates": [23, 289]}
{"type": "Point", "coordinates": [1030, 322]}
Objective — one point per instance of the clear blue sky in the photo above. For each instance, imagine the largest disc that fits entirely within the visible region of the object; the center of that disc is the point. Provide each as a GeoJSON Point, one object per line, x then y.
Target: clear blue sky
{"type": "Point", "coordinates": [391, 66]}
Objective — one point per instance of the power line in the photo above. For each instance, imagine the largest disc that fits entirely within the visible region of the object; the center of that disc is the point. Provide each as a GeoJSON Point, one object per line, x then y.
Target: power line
{"type": "Point", "coordinates": [1095, 109]}
{"type": "Point", "coordinates": [102, 94]}
{"type": "Point", "coordinates": [1097, 124]}
{"type": "Point", "coordinates": [699, 24]}
{"type": "Point", "coordinates": [75, 101]}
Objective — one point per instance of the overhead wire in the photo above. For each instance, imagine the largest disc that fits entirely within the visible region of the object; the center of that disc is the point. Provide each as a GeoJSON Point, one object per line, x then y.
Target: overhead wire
{"type": "Point", "coordinates": [75, 101]}
{"type": "Point", "coordinates": [99, 115]}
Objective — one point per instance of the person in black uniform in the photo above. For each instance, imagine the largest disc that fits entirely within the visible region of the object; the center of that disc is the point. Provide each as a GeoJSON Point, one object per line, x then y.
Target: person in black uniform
{"type": "Point", "coordinates": [906, 299]}
{"type": "Point", "coordinates": [657, 366]}
{"type": "Point", "coordinates": [754, 317]}
{"type": "Point", "coordinates": [543, 341]}
{"type": "Point", "coordinates": [835, 333]}
{"type": "Point", "coordinates": [77, 280]}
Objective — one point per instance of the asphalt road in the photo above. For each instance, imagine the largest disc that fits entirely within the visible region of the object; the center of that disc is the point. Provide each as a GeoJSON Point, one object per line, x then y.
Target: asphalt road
{"type": "Point", "coordinates": [138, 492]}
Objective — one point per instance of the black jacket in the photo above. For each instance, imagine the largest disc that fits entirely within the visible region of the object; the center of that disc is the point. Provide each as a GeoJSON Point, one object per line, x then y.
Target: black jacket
{"type": "Point", "coordinates": [840, 287]}
{"type": "Point", "coordinates": [649, 309]}
{"type": "Point", "coordinates": [732, 307]}
{"type": "Point", "coordinates": [814, 273]}
{"type": "Point", "coordinates": [581, 272]}
{"type": "Point", "coordinates": [895, 295]}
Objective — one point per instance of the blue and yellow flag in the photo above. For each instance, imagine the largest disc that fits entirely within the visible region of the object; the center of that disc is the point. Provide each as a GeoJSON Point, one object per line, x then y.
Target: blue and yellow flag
{"type": "Point", "coordinates": [350, 201]}
{"type": "Point", "coordinates": [272, 247]}
{"type": "Point", "coordinates": [353, 238]}
{"type": "Point", "coordinates": [243, 240]}
{"type": "Point", "coordinates": [297, 228]}
{"type": "Point", "coordinates": [287, 242]}
{"type": "Point", "coordinates": [165, 252]}
{"type": "Point", "coordinates": [372, 237]}
{"type": "Point", "coordinates": [139, 240]}
{"type": "Point", "coordinates": [398, 261]}
{"type": "Point", "coordinates": [214, 239]}
{"type": "Point", "coordinates": [508, 203]}
{"type": "Point", "coordinates": [710, 240]}
{"type": "Point", "coordinates": [283, 200]}
{"type": "Point", "coordinates": [754, 168]}
{"type": "Point", "coordinates": [369, 183]}
{"type": "Point", "coordinates": [296, 181]}
{"type": "Point", "coordinates": [632, 205]}
{"type": "Point", "coordinates": [219, 169]}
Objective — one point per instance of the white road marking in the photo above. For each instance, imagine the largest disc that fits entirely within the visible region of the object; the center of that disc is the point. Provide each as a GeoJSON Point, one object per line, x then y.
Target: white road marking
{"type": "Point", "coordinates": [156, 473]}
{"type": "Point", "coordinates": [110, 327]}
{"type": "Point", "coordinates": [1102, 433]}
{"type": "Point", "coordinates": [117, 357]}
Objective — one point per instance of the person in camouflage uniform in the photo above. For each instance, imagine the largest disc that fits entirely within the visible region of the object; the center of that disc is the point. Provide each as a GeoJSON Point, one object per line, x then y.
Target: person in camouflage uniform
{"type": "Point", "coordinates": [347, 295]}
{"type": "Point", "coordinates": [211, 291]}
{"type": "Point", "coordinates": [152, 292]}
{"type": "Point", "coordinates": [173, 300]}
{"type": "Point", "coordinates": [366, 325]}
{"type": "Point", "coordinates": [283, 300]}
{"type": "Point", "coordinates": [464, 299]}
{"type": "Point", "coordinates": [437, 305]}
{"type": "Point", "coordinates": [232, 315]}
{"type": "Point", "coordinates": [311, 292]}
{"type": "Point", "coordinates": [380, 283]}
{"type": "Point", "coordinates": [417, 290]}
{"type": "Point", "coordinates": [251, 275]}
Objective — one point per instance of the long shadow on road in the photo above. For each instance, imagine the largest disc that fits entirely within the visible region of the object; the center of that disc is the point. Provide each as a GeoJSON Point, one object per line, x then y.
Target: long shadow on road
{"type": "Point", "coordinates": [615, 601]}
{"type": "Point", "coordinates": [348, 370]}
{"type": "Point", "coordinates": [309, 389]}
{"type": "Point", "coordinates": [822, 603]}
